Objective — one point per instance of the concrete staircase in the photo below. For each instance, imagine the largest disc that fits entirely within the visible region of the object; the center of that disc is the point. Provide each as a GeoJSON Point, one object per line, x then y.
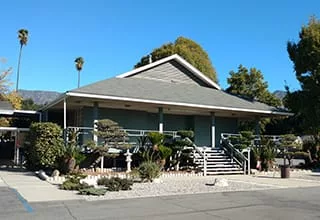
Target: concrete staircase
{"type": "Point", "coordinates": [218, 162]}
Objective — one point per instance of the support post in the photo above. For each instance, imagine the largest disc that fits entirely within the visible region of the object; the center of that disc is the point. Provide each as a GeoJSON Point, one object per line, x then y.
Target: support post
{"type": "Point", "coordinates": [204, 163]}
{"type": "Point", "coordinates": [95, 120]}
{"type": "Point", "coordinates": [64, 113]}
{"type": "Point", "coordinates": [213, 130]}
{"type": "Point", "coordinates": [40, 116]}
{"type": "Point", "coordinates": [257, 120]}
{"type": "Point", "coordinates": [160, 120]}
{"type": "Point", "coordinates": [128, 160]}
{"type": "Point", "coordinates": [17, 150]}
{"type": "Point", "coordinates": [65, 119]}
{"type": "Point", "coordinates": [249, 165]}
{"type": "Point", "coordinates": [45, 116]}
{"type": "Point", "coordinates": [95, 136]}
{"type": "Point", "coordinates": [102, 164]}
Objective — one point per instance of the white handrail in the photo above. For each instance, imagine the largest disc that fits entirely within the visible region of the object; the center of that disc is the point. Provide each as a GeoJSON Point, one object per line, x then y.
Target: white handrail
{"type": "Point", "coordinates": [225, 136]}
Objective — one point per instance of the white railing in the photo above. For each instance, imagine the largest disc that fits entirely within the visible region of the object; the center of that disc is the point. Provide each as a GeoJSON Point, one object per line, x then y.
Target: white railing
{"type": "Point", "coordinates": [88, 131]}
{"type": "Point", "coordinates": [203, 154]}
{"type": "Point", "coordinates": [130, 132]}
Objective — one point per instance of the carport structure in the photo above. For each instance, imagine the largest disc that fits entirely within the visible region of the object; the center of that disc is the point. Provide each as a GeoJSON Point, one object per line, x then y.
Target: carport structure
{"type": "Point", "coordinates": [12, 138]}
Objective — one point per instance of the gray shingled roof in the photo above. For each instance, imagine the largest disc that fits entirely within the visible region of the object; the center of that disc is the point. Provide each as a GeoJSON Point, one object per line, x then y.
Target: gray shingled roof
{"type": "Point", "coordinates": [170, 92]}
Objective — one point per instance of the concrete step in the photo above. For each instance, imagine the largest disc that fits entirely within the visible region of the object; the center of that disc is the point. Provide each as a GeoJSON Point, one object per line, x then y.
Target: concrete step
{"type": "Point", "coordinates": [224, 172]}
{"type": "Point", "coordinates": [221, 166]}
{"type": "Point", "coordinates": [214, 160]}
{"type": "Point", "coordinates": [218, 163]}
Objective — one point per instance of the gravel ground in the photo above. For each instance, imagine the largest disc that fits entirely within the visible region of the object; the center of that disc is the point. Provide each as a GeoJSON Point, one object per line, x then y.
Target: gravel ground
{"type": "Point", "coordinates": [178, 186]}
{"type": "Point", "coordinates": [314, 176]}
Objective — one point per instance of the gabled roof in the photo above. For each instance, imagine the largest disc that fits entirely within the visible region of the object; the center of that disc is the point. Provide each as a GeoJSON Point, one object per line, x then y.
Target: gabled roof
{"type": "Point", "coordinates": [157, 92]}
{"type": "Point", "coordinates": [178, 59]}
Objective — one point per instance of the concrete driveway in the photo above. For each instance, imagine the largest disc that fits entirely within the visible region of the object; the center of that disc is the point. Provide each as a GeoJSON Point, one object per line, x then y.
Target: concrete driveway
{"type": "Point", "coordinates": [31, 188]}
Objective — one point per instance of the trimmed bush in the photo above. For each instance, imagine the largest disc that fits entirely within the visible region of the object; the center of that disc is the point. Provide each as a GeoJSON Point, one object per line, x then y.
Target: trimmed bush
{"type": "Point", "coordinates": [148, 171]}
{"type": "Point", "coordinates": [115, 183]}
{"type": "Point", "coordinates": [93, 191]}
{"type": "Point", "coordinates": [186, 134]}
{"type": "Point", "coordinates": [69, 185]}
{"type": "Point", "coordinates": [165, 152]}
{"type": "Point", "coordinates": [73, 183]}
{"type": "Point", "coordinates": [44, 145]}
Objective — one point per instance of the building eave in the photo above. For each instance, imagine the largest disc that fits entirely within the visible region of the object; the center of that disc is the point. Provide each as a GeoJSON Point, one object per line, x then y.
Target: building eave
{"type": "Point", "coordinates": [209, 107]}
{"type": "Point", "coordinates": [54, 102]}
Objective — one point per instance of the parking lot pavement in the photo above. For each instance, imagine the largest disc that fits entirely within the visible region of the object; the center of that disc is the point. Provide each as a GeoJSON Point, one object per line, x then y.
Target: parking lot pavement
{"type": "Point", "coordinates": [12, 203]}
{"type": "Point", "coordinates": [291, 203]}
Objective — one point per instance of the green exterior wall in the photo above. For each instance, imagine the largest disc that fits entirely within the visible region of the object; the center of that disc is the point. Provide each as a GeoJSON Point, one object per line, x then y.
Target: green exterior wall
{"type": "Point", "coordinates": [202, 129]}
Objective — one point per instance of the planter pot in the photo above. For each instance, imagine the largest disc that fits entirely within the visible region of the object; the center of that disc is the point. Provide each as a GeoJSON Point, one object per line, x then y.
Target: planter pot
{"type": "Point", "coordinates": [285, 171]}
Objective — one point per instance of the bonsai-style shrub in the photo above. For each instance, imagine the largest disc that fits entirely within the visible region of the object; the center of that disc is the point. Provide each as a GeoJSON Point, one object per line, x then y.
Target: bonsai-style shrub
{"type": "Point", "coordinates": [186, 134]}
{"type": "Point", "coordinates": [148, 171]}
{"type": "Point", "coordinates": [179, 153]}
{"type": "Point", "coordinates": [243, 141]}
{"type": "Point", "coordinates": [156, 139]}
{"type": "Point", "coordinates": [93, 191]}
{"type": "Point", "coordinates": [115, 183]}
{"type": "Point", "coordinates": [73, 183]}
{"type": "Point", "coordinates": [44, 145]}
{"type": "Point", "coordinates": [165, 152]}
{"type": "Point", "coordinates": [112, 135]}
{"type": "Point", "coordinates": [266, 153]}
{"type": "Point", "coordinates": [288, 147]}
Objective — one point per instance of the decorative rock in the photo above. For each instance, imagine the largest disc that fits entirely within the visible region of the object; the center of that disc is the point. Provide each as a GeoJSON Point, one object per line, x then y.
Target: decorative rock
{"type": "Point", "coordinates": [55, 173]}
{"type": "Point", "coordinates": [42, 175]}
{"type": "Point", "coordinates": [221, 182]}
{"type": "Point", "coordinates": [157, 180]}
{"type": "Point", "coordinates": [90, 182]}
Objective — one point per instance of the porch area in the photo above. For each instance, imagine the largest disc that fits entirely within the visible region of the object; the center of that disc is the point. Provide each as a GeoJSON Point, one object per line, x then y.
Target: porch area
{"type": "Point", "coordinates": [139, 118]}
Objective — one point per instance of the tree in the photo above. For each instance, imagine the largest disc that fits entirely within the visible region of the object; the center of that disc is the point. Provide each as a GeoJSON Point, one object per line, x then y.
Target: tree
{"type": "Point", "coordinates": [7, 95]}
{"type": "Point", "coordinates": [305, 55]}
{"type": "Point", "coordinates": [79, 64]}
{"type": "Point", "coordinates": [112, 135]}
{"type": "Point", "coordinates": [23, 39]}
{"type": "Point", "coordinates": [189, 50]}
{"type": "Point", "coordinates": [28, 104]}
{"type": "Point", "coordinates": [250, 84]}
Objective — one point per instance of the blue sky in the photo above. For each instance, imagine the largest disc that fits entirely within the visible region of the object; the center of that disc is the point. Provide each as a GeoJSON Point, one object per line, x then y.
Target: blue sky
{"type": "Point", "coordinates": [113, 35]}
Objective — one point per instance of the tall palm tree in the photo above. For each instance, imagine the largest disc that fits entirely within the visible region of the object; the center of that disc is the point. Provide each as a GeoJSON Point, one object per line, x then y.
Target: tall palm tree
{"type": "Point", "coordinates": [79, 64]}
{"type": "Point", "coordinates": [23, 39]}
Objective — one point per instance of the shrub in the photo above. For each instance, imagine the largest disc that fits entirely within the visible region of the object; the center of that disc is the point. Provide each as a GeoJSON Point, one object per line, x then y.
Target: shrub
{"type": "Point", "coordinates": [115, 183]}
{"type": "Point", "coordinates": [148, 171]}
{"type": "Point", "coordinates": [73, 182]}
{"type": "Point", "coordinates": [186, 134]}
{"type": "Point", "coordinates": [102, 181]}
{"type": "Point", "coordinates": [70, 185]}
{"type": "Point", "coordinates": [165, 152]}
{"type": "Point", "coordinates": [155, 138]}
{"type": "Point", "coordinates": [93, 191]}
{"type": "Point", "coordinates": [44, 145]}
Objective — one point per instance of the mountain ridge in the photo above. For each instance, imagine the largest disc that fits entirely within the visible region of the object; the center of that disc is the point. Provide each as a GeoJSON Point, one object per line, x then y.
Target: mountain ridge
{"type": "Point", "coordinates": [39, 97]}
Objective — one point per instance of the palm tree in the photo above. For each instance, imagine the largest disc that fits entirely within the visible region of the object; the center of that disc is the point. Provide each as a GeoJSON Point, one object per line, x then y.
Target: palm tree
{"type": "Point", "coordinates": [23, 39]}
{"type": "Point", "coordinates": [79, 64]}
